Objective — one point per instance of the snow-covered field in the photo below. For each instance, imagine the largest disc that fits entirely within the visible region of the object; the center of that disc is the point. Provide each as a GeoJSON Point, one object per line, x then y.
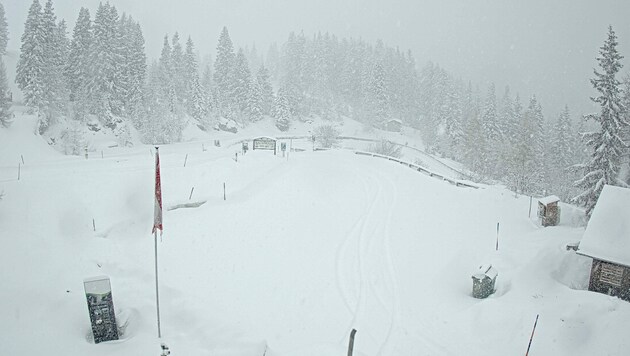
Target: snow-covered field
{"type": "Point", "coordinates": [302, 251]}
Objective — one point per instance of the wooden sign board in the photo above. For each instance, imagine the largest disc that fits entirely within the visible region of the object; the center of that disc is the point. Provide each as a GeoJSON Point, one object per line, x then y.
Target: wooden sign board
{"type": "Point", "coordinates": [264, 143]}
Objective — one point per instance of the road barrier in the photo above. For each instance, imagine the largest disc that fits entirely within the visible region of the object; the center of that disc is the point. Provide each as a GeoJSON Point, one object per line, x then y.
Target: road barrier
{"type": "Point", "coordinates": [420, 169]}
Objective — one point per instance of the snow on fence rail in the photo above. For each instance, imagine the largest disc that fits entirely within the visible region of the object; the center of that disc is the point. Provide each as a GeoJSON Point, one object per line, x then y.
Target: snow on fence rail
{"type": "Point", "coordinates": [422, 152]}
{"type": "Point", "coordinates": [420, 169]}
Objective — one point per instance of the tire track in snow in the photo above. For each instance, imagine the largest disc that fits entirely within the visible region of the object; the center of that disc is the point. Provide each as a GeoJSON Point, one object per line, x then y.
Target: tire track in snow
{"type": "Point", "coordinates": [343, 254]}
{"type": "Point", "coordinates": [376, 300]}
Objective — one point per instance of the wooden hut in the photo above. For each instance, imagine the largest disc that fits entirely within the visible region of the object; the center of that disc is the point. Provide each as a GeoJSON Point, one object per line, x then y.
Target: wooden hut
{"type": "Point", "coordinates": [607, 241]}
{"type": "Point", "coordinates": [393, 125]}
{"type": "Point", "coordinates": [549, 211]}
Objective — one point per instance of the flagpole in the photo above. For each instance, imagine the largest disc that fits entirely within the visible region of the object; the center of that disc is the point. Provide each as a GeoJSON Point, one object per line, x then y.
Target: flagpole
{"type": "Point", "coordinates": [157, 224]}
{"type": "Point", "coordinates": [157, 292]}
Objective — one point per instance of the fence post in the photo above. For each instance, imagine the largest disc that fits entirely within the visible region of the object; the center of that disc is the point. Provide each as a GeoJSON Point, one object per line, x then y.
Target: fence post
{"type": "Point", "coordinates": [351, 343]}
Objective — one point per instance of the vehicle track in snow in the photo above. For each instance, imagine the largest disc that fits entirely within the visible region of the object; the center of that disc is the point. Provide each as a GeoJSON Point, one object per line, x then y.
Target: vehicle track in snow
{"type": "Point", "coordinates": [366, 276]}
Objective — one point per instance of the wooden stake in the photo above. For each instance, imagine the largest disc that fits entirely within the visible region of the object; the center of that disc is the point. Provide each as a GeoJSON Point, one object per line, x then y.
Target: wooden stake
{"type": "Point", "coordinates": [351, 343]}
{"type": "Point", "coordinates": [19, 169]}
{"type": "Point", "coordinates": [223, 191]}
{"type": "Point", "coordinates": [531, 337]}
{"type": "Point", "coordinates": [497, 247]}
{"type": "Point", "coordinates": [191, 191]}
{"type": "Point", "coordinates": [530, 207]}
{"type": "Point", "coordinates": [22, 159]}
{"type": "Point", "coordinates": [94, 225]}
{"type": "Point", "coordinates": [185, 159]}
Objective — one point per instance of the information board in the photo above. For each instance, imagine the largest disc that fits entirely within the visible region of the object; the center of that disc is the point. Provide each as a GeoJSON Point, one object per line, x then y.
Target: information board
{"type": "Point", "coordinates": [98, 292]}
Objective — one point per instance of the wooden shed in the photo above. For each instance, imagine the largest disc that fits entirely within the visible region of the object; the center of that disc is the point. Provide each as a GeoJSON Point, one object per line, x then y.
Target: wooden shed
{"type": "Point", "coordinates": [393, 125]}
{"type": "Point", "coordinates": [607, 241]}
{"type": "Point", "coordinates": [549, 211]}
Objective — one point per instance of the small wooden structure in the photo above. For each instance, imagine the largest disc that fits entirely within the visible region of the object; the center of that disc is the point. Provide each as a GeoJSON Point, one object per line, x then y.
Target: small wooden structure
{"type": "Point", "coordinates": [549, 211]}
{"type": "Point", "coordinates": [483, 281]}
{"type": "Point", "coordinates": [607, 241]}
{"type": "Point", "coordinates": [393, 125]}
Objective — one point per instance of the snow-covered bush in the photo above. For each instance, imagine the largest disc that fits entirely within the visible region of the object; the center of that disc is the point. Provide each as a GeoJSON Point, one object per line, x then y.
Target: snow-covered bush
{"type": "Point", "coordinates": [326, 135]}
{"type": "Point", "coordinates": [72, 140]}
{"type": "Point", "coordinates": [386, 148]}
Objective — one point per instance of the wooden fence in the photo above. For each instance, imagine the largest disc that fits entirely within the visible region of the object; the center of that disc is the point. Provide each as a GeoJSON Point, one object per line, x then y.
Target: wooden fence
{"type": "Point", "coordinates": [420, 169]}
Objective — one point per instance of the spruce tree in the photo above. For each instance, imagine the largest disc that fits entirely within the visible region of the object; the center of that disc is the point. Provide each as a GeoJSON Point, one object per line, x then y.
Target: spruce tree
{"type": "Point", "coordinates": [77, 70]}
{"type": "Point", "coordinates": [104, 85]}
{"type": "Point", "coordinates": [31, 64]}
{"type": "Point", "coordinates": [563, 156]}
{"type": "Point", "coordinates": [377, 100]}
{"type": "Point", "coordinates": [164, 77]}
{"type": "Point", "coordinates": [192, 87]}
{"type": "Point", "coordinates": [6, 116]}
{"type": "Point", "coordinates": [491, 130]}
{"type": "Point", "coordinates": [135, 67]}
{"type": "Point", "coordinates": [178, 73]}
{"type": "Point", "coordinates": [4, 31]}
{"type": "Point", "coordinates": [282, 113]}
{"type": "Point", "coordinates": [266, 90]}
{"type": "Point", "coordinates": [242, 83]}
{"type": "Point", "coordinates": [224, 75]}
{"type": "Point", "coordinates": [608, 143]}
{"type": "Point", "coordinates": [254, 103]}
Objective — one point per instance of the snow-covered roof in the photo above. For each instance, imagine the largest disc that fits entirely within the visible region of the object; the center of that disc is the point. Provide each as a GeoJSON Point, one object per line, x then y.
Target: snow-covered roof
{"type": "Point", "coordinates": [97, 285]}
{"type": "Point", "coordinates": [265, 138]}
{"type": "Point", "coordinates": [486, 270]}
{"type": "Point", "coordinates": [394, 120]}
{"type": "Point", "coordinates": [548, 200]}
{"type": "Point", "coordinates": [607, 235]}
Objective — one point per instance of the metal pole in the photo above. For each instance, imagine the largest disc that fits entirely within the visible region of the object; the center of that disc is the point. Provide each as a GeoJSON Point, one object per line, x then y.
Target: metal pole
{"type": "Point", "coordinates": [531, 337]}
{"type": "Point", "coordinates": [497, 246]}
{"type": "Point", "coordinates": [351, 344]}
{"type": "Point", "coordinates": [530, 206]}
{"type": "Point", "coordinates": [157, 292]}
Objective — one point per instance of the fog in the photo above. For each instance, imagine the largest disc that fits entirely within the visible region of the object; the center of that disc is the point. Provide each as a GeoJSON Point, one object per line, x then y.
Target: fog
{"type": "Point", "coordinates": [546, 48]}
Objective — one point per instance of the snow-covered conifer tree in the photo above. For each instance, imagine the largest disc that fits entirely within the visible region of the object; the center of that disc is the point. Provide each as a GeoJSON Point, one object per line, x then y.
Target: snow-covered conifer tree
{"type": "Point", "coordinates": [491, 131]}
{"type": "Point", "coordinates": [224, 74]}
{"type": "Point", "coordinates": [77, 70]}
{"type": "Point", "coordinates": [135, 67]}
{"type": "Point", "coordinates": [106, 60]}
{"type": "Point", "coordinates": [266, 90]}
{"type": "Point", "coordinates": [30, 67]}
{"type": "Point", "coordinates": [6, 115]}
{"type": "Point", "coordinates": [377, 101]}
{"type": "Point", "coordinates": [282, 113]}
{"type": "Point", "coordinates": [254, 103]}
{"type": "Point", "coordinates": [4, 31]}
{"type": "Point", "coordinates": [178, 74]}
{"type": "Point", "coordinates": [190, 77]}
{"type": "Point", "coordinates": [242, 82]}
{"type": "Point", "coordinates": [562, 156]}
{"type": "Point", "coordinates": [608, 143]}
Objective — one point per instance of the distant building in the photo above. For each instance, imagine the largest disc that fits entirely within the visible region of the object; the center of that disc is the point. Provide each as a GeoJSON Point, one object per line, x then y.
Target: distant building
{"type": "Point", "coordinates": [393, 125]}
{"type": "Point", "coordinates": [549, 211]}
{"type": "Point", "coordinates": [607, 241]}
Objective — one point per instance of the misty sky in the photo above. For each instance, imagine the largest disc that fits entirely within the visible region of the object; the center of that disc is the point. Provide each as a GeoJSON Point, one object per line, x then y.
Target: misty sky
{"type": "Point", "coordinates": [542, 47]}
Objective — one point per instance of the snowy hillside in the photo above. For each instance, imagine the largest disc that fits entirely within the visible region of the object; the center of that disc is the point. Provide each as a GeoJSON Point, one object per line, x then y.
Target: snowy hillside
{"type": "Point", "coordinates": [302, 251]}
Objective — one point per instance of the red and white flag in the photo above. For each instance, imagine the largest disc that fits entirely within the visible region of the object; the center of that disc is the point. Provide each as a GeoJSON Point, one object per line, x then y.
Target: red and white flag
{"type": "Point", "coordinates": [157, 212]}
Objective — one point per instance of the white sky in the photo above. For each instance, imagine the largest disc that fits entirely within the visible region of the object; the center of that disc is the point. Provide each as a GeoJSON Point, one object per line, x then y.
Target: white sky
{"type": "Point", "coordinates": [542, 47]}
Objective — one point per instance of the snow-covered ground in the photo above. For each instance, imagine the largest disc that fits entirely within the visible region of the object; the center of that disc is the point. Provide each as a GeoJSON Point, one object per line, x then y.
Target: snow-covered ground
{"type": "Point", "coordinates": [302, 251]}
